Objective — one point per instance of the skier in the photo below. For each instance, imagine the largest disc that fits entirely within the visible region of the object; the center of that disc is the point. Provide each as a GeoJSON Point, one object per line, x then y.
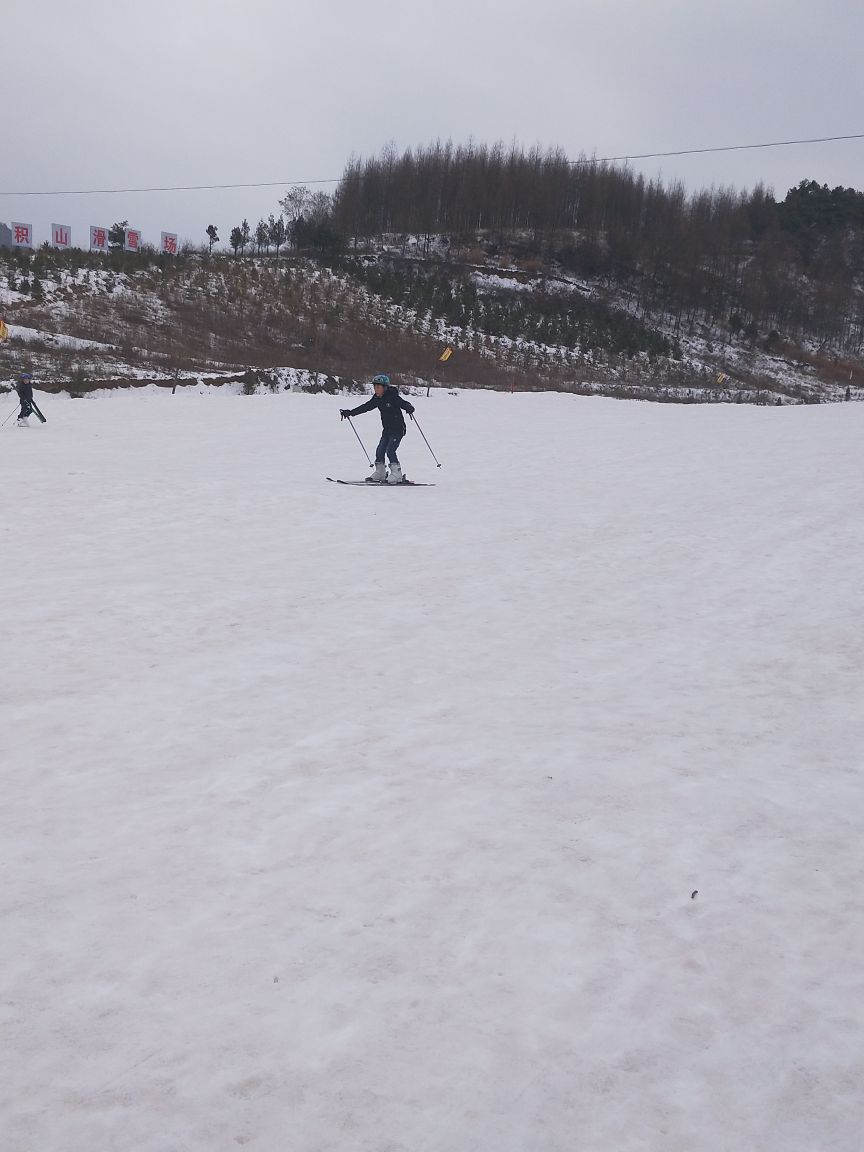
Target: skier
{"type": "Point", "coordinates": [391, 405]}
{"type": "Point", "coordinates": [24, 388]}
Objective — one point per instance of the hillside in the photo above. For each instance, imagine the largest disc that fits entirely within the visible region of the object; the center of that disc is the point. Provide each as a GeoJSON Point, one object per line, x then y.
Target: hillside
{"type": "Point", "coordinates": [574, 279]}
{"type": "Point", "coordinates": [223, 317]}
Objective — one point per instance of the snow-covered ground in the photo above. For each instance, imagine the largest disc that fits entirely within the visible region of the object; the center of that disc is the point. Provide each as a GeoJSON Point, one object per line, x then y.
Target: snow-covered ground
{"type": "Point", "coordinates": [31, 335]}
{"type": "Point", "coordinates": [337, 818]}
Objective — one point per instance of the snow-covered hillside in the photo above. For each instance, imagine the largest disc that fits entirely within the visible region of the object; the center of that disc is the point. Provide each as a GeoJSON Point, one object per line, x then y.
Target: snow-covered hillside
{"type": "Point", "coordinates": [105, 324]}
{"type": "Point", "coordinates": [517, 813]}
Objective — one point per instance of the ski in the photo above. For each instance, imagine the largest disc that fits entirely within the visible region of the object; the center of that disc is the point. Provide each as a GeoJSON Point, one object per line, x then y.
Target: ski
{"type": "Point", "coordinates": [367, 484]}
{"type": "Point", "coordinates": [38, 413]}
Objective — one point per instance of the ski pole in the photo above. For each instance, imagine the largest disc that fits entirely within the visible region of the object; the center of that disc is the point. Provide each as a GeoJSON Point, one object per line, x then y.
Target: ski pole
{"type": "Point", "coordinates": [9, 417]}
{"type": "Point", "coordinates": [425, 441]}
{"type": "Point", "coordinates": [359, 441]}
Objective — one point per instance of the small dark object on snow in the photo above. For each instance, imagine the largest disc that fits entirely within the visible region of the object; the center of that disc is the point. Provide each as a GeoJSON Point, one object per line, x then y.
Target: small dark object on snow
{"type": "Point", "coordinates": [694, 893]}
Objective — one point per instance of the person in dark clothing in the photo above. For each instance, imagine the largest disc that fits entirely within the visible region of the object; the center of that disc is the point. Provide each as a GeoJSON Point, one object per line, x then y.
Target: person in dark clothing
{"type": "Point", "coordinates": [391, 406]}
{"type": "Point", "coordinates": [24, 388]}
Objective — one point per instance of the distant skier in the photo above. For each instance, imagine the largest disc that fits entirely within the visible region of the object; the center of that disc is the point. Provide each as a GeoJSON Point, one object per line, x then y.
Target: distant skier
{"type": "Point", "coordinates": [24, 388]}
{"type": "Point", "coordinates": [391, 406]}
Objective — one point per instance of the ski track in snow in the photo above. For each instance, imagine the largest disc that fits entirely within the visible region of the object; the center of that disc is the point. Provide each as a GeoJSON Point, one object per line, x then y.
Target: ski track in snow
{"type": "Point", "coordinates": [339, 821]}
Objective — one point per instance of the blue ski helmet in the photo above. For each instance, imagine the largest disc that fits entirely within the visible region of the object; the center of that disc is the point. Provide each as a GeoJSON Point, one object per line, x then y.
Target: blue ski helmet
{"type": "Point", "coordinates": [25, 376]}
{"type": "Point", "coordinates": [381, 379]}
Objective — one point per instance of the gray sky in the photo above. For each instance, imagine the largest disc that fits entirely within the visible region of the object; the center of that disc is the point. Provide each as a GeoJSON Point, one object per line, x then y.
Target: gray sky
{"type": "Point", "coordinates": [120, 93]}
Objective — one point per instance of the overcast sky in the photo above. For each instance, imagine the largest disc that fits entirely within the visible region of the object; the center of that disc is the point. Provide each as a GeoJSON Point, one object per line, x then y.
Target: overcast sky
{"type": "Point", "coordinates": [126, 93]}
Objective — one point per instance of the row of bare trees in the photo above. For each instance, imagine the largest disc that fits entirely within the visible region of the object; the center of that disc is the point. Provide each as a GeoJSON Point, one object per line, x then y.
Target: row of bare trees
{"type": "Point", "coordinates": [466, 189]}
{"type": "Point", "coordinates": [719, 256]}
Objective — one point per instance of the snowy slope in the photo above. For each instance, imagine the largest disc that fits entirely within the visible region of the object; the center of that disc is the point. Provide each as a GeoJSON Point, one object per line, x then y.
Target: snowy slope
{"type": "Point", "coordinates": [100, 324]}
{"type": "Point", "coordinates": [369, 820]}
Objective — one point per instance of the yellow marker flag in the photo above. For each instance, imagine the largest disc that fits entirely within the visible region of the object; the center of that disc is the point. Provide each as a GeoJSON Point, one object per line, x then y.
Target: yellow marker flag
{"type": "Point", "coordinates": [4, 331]}
{"type": "Point", "coordinates": [446, 354]}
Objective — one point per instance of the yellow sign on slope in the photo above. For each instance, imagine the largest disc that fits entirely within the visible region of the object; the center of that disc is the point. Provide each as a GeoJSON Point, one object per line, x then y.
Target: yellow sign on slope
{"type": "Point", "coordinates": [446, 354]}
{"type": "Point", "coordinates": [4, 331]}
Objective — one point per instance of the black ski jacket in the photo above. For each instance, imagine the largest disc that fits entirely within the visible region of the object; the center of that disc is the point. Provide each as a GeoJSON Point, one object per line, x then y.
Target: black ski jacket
{"type": "Point", "coordinates": [391, 406]}
{"type": "Point", "coordinates": [24, 388]}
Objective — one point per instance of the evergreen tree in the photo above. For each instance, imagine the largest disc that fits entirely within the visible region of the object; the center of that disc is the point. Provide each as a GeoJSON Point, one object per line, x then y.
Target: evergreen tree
{"type": "Point", "coordinates": [262, 236]}
{"type": "Point", "coordinates": [277, 233]}
{"type": "Point", "coordinates": [117, 235]}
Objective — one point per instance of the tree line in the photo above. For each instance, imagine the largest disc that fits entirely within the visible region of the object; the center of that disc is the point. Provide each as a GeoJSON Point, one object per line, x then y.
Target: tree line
{"type": "Point", "coordinates": [305, 221]}
{"type": "Point", "coordinates": [736, 258]}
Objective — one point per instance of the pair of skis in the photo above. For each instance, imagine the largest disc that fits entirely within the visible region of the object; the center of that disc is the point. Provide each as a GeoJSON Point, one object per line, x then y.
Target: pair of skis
{"type": "Point", "coordinates": [33, 409]}
{"type": "Point", "coordinates": [371, 484]}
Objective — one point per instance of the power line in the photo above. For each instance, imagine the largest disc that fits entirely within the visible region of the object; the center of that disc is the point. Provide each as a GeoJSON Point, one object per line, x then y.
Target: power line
{"type": "Point", "coordinates": [724, 148]}
{"type": "Point", "coordinates": [172, 188]}
{"type": "Point", "coordinates": [336, 179]}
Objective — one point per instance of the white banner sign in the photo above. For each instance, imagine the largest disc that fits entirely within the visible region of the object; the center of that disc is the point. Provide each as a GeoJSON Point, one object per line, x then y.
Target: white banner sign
{"type": "Point", "coordinates": [61, 235]}
{"type": "Point", "coordinates": [98, 239]}
{"type": "Point", "coordinates": [22, 235]}
{"type": "Point", "coordinates": [169, 243]}
{"type": "Point", "coordinates": [132, 240]}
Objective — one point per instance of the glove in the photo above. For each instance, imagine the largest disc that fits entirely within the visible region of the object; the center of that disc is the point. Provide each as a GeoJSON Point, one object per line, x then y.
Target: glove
{"type": "Point", "coordinates": [344, 412]}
